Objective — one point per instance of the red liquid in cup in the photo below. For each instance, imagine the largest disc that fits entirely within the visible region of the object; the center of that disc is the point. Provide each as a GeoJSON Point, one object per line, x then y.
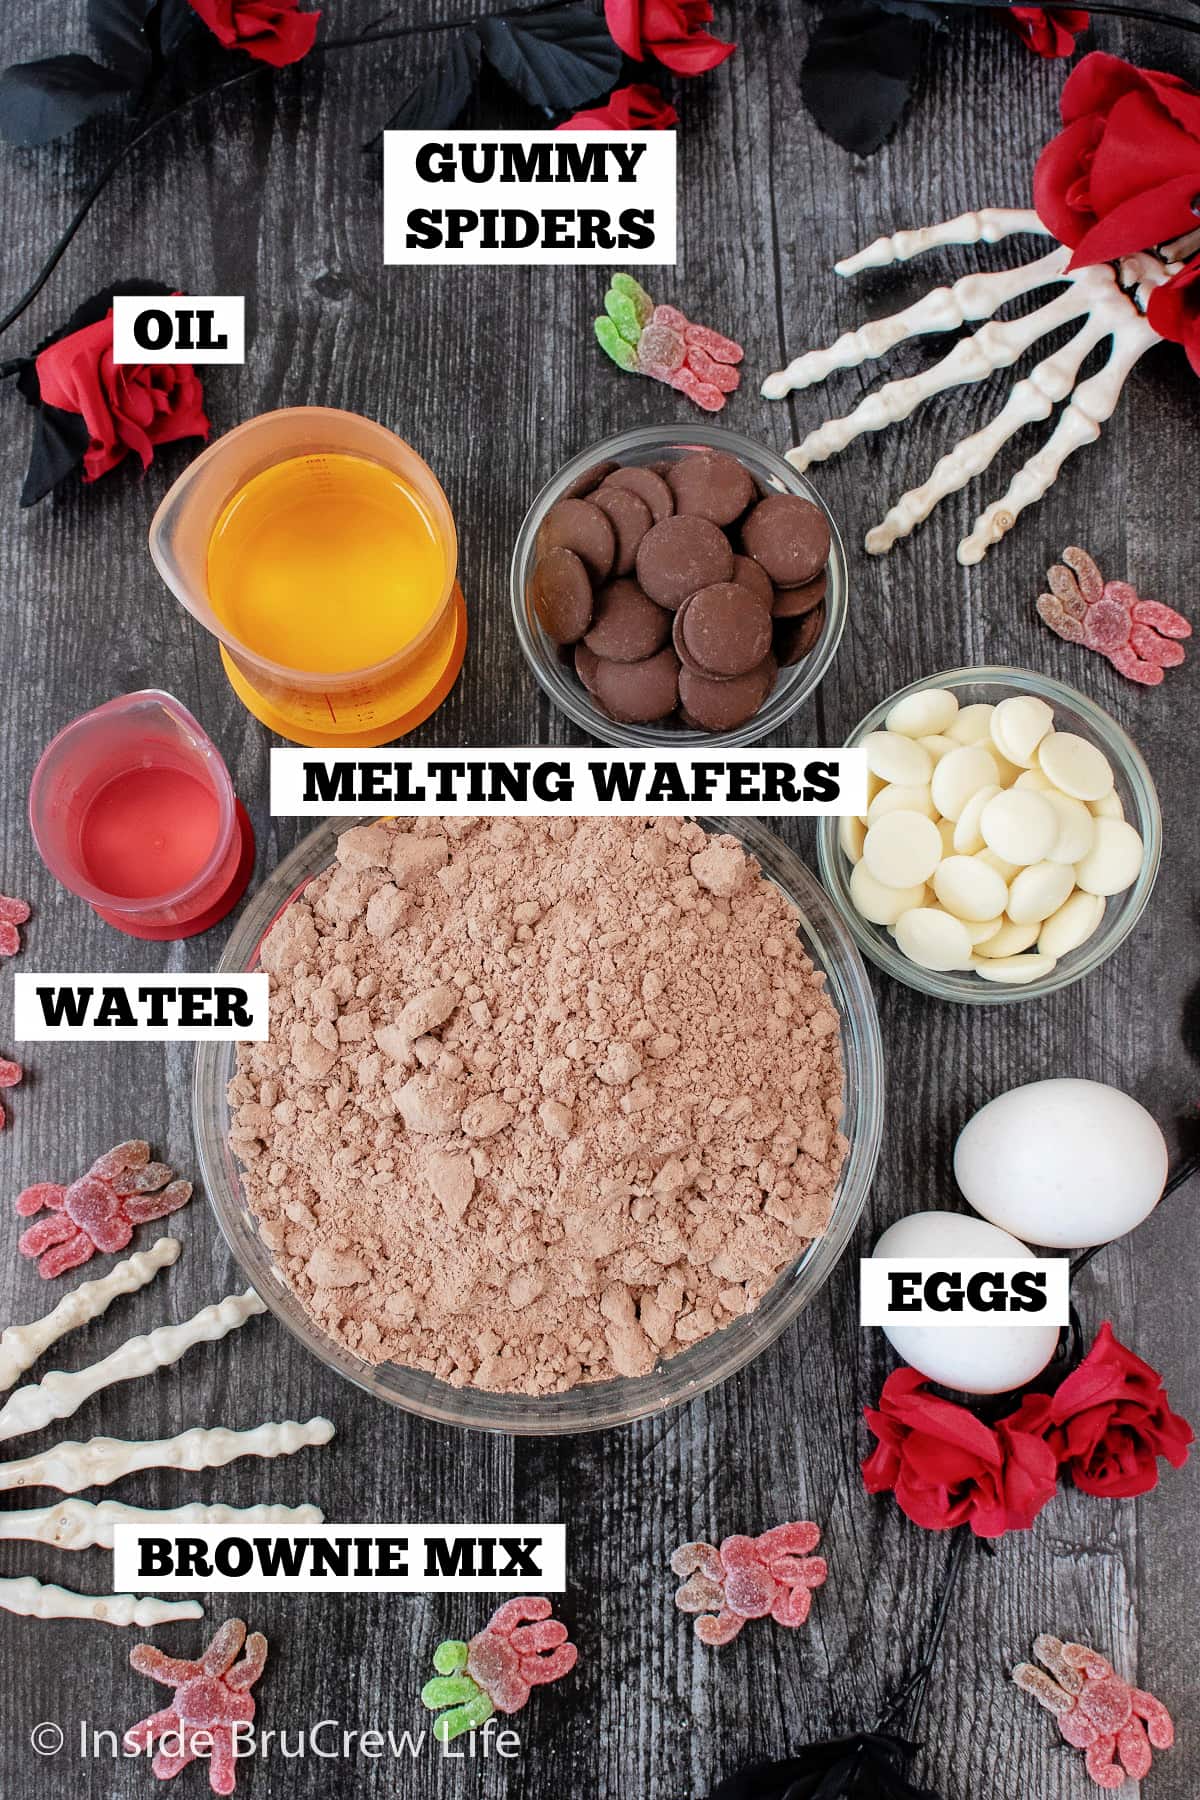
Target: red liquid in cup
{"type": "Point", "coordinates": [149, 832]}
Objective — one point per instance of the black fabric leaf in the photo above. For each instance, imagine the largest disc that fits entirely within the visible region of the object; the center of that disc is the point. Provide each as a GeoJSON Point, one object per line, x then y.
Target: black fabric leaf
{"type": "Point", "coordinates": [97, 308]}
{"type": "Point", "coordinates": [56, 451]}
{"type": "Point", "coordinates": [176, 25]}
{"type": "Point", "coordinates": [437, 100]}
{"type": "Point", "coordinates": [917, 9]}
{"type": "Point", "coordinates": [866, 1766]}
{"type": "Point", "coordinates": [859, 73]}
{"type": "Point", "coordinates": [44, 100]}
{"type": "Point", "coordinates": [556, 60]}
{"type": "Point", "coordinates": [119, 28]}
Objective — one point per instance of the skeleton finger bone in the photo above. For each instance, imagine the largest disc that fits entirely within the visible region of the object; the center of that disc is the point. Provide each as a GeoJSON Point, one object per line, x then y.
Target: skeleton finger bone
{"type": "Point", "coordinates": [1090, 406]}
{"type": "Point", "coordinates": [1098, 293]}
{"type": "Point", "coordinates": [943, 309]}
{"type": "Point", "coordinates": [87, 1524]}
{"type": "Point", "coordinates": [1034, 397]}
{"type": "Point", "coordinates": [987, 226]}
{"type": "Point", "coordinates": [21, 1345]}
{"type": "Point", "coordinates": [101, 1461]}
{"type": "Point", "coordinates": [996, 345]}
{"type": "Point", "coordinates": [29, 1598]}
{"type": "Point", "coordinates": [58, 1394]}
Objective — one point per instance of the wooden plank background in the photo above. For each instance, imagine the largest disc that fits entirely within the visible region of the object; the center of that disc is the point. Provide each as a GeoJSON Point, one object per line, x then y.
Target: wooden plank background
{"type": "Point", "coordinates": [492, 375]}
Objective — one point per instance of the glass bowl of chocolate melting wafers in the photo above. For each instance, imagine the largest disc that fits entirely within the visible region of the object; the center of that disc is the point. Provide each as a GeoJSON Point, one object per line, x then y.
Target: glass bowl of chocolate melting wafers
{"type": "Point", "coordinates": [679, 588]}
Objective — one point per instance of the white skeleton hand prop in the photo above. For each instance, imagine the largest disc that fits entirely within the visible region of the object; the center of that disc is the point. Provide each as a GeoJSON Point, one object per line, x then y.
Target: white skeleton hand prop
{"type": "Point", "coordinates": [1108, 303]}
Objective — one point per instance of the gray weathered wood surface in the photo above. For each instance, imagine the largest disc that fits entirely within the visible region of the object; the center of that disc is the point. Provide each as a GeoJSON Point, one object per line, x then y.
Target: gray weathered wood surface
{"type": "Point", "coordinates": [492, 375]}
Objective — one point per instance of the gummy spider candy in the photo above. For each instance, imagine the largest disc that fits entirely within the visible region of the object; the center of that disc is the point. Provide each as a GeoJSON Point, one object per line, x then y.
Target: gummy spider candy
{"type": "Point", "coordinates": [212, 1697]}
{"type": "Point", "coordinates": [12, 913]}
{"type": "Point", "coordinates": [1136, 635]}
{"type": "Point", "coordinates": [660, 342]}
{"type": "Point", "coordinates": [10, 1074]}
{"type": "Point", "coordinates": [1097, 1712]}
{"type": "Point", "coordinates": [521, 1647]}
{"type": "Point", "coordinates": [747, 1578]}
{"type": "Point", "coordinates": [123, 1188]}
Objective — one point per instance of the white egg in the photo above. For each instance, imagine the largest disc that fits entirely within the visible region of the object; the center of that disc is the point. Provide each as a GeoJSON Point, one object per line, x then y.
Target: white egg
{"type": "Point", "coordinates": [975, 1359]}
{"type": "Point", "coordinates": [1063, 1163]}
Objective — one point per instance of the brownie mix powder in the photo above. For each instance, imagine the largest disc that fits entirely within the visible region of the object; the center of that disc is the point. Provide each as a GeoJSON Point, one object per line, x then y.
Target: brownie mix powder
{"type": "Point", "coordinates": [544, 1100]}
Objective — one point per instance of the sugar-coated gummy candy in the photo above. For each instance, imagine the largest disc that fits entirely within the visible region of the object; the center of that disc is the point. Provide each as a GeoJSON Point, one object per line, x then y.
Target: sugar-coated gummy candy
{"type": "Point", "coordinates": [660, 352]}
{"type": "Point", "coordinates": [10, 1073]}
{"type": "Point", "coordinates": [623, 315]}
{"type": "Point", "coordinates": [521, 1647]}
{"type": "Point", "coordinates": [749, 1578]}
{"type": "Point", "coordinates": [13, 912]}
{"type": "Point", "coordinates": [702, 392]}
{"type": "Point", "coordinates": [632, 291]}
{"type": "Point", "coordinates": [720, 374]}
{"type": "Point", "coordinates": [41, 1195]}
{"type": "Point", "coordinates": [662, 342]}
{"type": "Point", "coordinates": [10, 938]}
{"type": "Point", "coordinates": [613, 344]}
{"type": "Point", "coordinates": [212, 1699]}
{"type": "Point", "coordinates": [98, 1211]}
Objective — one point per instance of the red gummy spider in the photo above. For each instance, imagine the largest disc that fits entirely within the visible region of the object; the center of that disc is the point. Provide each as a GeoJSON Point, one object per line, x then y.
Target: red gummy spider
{"type": "Point", "coordinates": [1097, 1712]}
{"type": "Point", "coordinates": [12, 913]}
{"type": "Point", "coordinates": [521, 1647]}
{"type": "Point", "coordinates": [10, 1074]}
{"type": "Point", "coordinates": [212, 1699]}
{"type": "Point", "coordinates": [123, 1188]}
{"type": "Point", "coordinates": [1137, 636]}
{"type": "Point", "coordinates": [747, 1578]}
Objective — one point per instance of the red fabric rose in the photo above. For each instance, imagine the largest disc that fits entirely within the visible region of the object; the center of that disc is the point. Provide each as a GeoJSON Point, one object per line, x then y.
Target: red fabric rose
{"type": "Point", "coordinates": [947, 1468]}
{"type": "Point", "coordinates": [1123, 173]}
{"type": "Point", "coordinates": [671, 30]}
{"type": "Point", "coordinates": [125, 406]}
{"type": "Point", "coordinates": [1047, 34]}
{"type": "Point", "coordinates": [638, 108]}
{"type": "Point", "coordinates": [272, 30]}
{"type": "Point", "coordinates": [1109, 1422]}
{"type": "Point", "coordinates": [1174, 310]}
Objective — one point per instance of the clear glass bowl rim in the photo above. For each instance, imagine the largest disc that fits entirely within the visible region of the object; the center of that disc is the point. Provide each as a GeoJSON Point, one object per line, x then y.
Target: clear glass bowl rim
{"type": "Point", "coordinates": [1130, 771]}
{"type": "Point", "coordinates": [599, 1405]}
{"type": "Point", "coordinates": [793, 687]}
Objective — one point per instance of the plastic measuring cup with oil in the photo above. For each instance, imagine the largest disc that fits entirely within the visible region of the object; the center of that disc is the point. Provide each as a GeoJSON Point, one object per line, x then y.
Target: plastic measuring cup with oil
{"type": "Point", "coordinates": [320, 550]}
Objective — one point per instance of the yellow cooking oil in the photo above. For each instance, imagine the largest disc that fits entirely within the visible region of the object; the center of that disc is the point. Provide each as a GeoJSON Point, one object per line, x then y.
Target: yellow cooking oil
{"type": "Point", "coordinates": [326, 563]}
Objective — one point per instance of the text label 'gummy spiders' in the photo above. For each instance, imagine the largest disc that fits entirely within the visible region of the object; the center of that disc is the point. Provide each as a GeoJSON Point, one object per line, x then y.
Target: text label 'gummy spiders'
{"type": "Point", "coordinates": [1118, 1726]}
{"type": "Point", "coordinates": [749, 1578]}
{"type": "Point", "coordinates": [521, 1647]}
{"type": "Point", "coordinates": [210, 1708]}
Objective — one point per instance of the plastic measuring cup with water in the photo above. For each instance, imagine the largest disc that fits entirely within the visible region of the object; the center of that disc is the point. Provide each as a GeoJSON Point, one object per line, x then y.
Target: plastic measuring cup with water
{"type": "Point", "coordinates": [132, 809]}
{"type": "Point", "coordinates": [417, 650]}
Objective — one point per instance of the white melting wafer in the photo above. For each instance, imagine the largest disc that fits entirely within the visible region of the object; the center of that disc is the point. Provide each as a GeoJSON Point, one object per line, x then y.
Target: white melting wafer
{"type": "Point", "coordinates": [88, 1524]}
{"type": "Point", "coordinates": [58, 1394]}
{"type": "Point", "coordinates": [33, 1599]}
{"type": "Point", "coordinates": [101, 1461]}
{"type": "Point", "coordinates": [21, 1345]}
